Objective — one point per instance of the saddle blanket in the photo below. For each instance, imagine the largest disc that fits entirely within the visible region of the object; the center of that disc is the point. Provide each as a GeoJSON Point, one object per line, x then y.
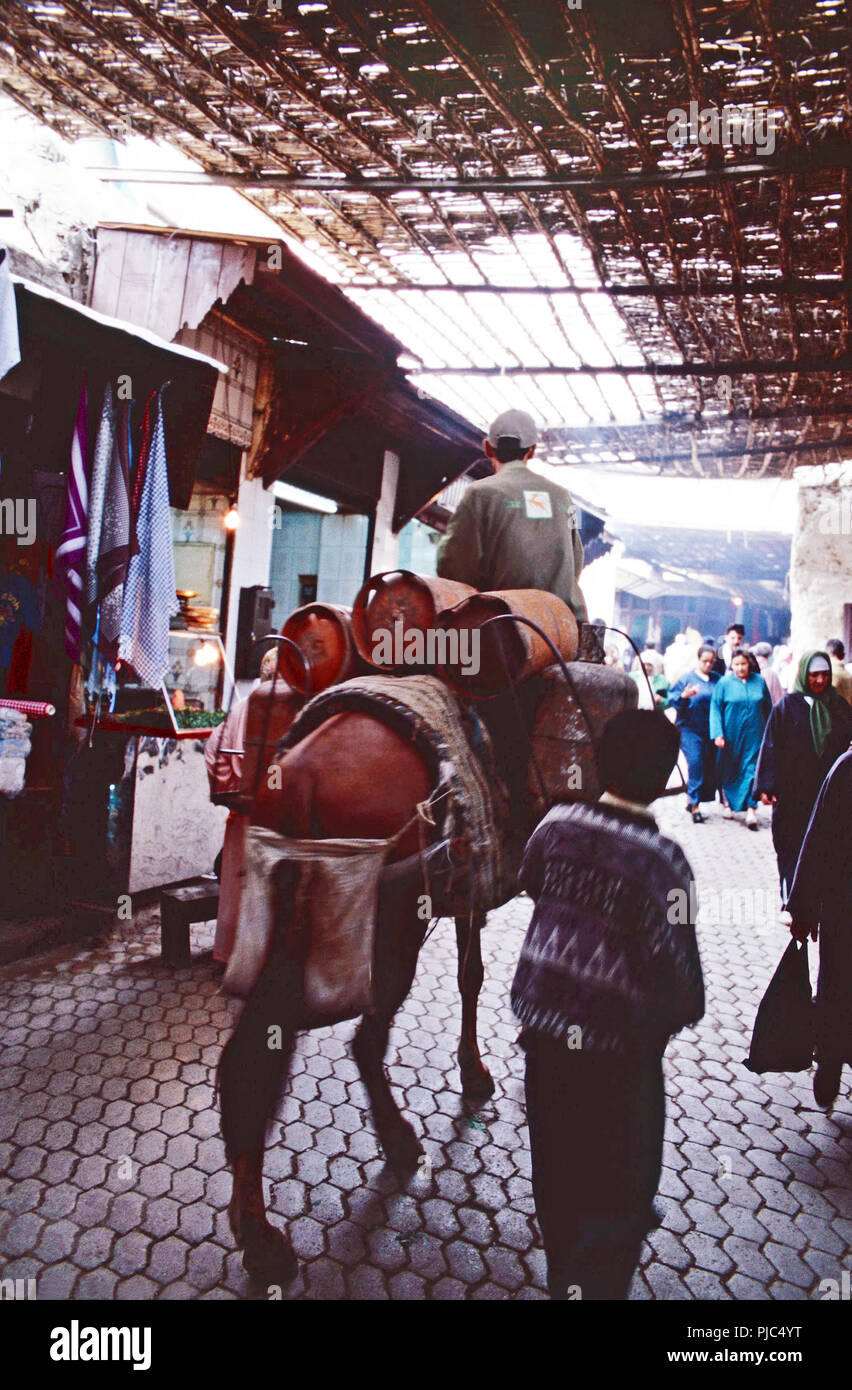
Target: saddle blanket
{"type": "Point", "coordinates": [468, 806]}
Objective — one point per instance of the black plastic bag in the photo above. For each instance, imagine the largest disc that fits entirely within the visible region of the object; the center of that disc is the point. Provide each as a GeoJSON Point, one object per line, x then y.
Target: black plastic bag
{"type": "Point", "coordinates": [783, 1035]}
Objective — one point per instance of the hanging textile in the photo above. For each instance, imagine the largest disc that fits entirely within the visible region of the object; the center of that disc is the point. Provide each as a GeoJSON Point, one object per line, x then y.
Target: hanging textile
{"type": "Point", "coordinates": [71, 555]}
{"type": "Point", "coordinates": [139, 475]}
{"type": "Point", "coordinates": [101, 459]}
{"type": "Point", "coordinates": [49, 491]}
{"type": "Point", "coordinates": [149, 591]}
{"type": "Point", "coordinates": [10, 347]}
{"type": "Point", "coordinates": [114, 552]}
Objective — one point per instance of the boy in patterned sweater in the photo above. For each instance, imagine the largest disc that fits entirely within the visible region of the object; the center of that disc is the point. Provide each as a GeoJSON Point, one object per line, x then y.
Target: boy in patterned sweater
{"type": "Point", "coordinates": [608, 972]}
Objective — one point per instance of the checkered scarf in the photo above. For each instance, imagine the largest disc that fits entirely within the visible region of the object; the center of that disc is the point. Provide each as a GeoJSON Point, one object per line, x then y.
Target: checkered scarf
{"type": "Point", "coordinates": [149, 591]}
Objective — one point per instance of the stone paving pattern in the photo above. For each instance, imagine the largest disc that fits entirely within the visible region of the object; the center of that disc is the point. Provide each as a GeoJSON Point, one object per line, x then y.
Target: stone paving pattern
{"type": "Point", "coordinates": [114, 1183]}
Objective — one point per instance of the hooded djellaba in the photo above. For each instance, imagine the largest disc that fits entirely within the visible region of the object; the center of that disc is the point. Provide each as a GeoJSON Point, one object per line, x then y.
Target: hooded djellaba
{"type": "Point", "coordinates": [807, 731]}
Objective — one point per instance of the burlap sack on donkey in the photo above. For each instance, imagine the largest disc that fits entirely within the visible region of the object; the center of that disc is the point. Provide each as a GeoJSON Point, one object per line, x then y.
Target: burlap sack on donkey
{"type": "Point", "coordinates": [333, 910]}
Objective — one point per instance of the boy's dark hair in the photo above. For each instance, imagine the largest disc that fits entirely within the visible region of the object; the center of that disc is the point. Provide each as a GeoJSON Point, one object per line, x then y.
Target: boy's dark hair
{"type": "Point", "coordinates": [637, 752]}
{"type": "Point", "coordinates": [835, 647]}
{"type": "Point", "coordinates": [735, 627]}
{"type": "Point", "coordinates": [508, 448]}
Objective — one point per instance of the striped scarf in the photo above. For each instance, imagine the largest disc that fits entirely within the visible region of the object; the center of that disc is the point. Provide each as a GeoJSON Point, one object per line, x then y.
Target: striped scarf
{"type": "Point", "coordinates": [71, 554]}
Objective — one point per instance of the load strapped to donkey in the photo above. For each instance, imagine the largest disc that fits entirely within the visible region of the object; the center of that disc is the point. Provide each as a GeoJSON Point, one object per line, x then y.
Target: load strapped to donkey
{"type": "Point", "coordinates": [429, 731]}
{"type": "Point", "coordinates": [503, 700]}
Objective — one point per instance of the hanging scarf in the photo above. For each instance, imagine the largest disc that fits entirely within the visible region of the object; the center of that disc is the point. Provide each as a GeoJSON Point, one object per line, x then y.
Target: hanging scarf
{"type": "Point", "coordinates": [141, 469]}
{"type": "Point", "coordinates": [149, 590]}
{"type": "Point", "coordinates": [114, 552]}
{"type": "Point", "coordinates": [104, 445]}
{"type": "Point", "coordinates": [821, 705]}
{"type": "Point", "coordinates": [71, 553]}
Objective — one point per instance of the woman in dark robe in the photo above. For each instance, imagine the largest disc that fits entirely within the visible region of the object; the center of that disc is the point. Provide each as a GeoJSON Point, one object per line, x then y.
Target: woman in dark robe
{"type": "Point", "coordinates": [690, 697]}
{"type": "Point", "coordinates": [821, 903]}
{"type": "Point", "coordinates": [807, 731]}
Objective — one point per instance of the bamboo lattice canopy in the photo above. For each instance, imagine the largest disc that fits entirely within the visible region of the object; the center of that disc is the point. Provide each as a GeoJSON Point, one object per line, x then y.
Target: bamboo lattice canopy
{"type": "Point", "coordinates": [539, 135]}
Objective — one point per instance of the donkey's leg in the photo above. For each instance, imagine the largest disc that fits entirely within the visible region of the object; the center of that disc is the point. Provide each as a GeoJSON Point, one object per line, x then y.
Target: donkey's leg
{"type": "Point", "coordinates": [477, 1081]}
{"type": "Point", "coordinates": [252, 1070]}
{"type": "Point", "coordinates": [399, 936]}
{"type": "Point", "coordinates": [395, 1134]}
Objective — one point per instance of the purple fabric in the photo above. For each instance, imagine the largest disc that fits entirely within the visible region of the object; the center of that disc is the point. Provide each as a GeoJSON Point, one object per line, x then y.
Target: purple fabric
{"type": "Point", "coordinates": [71, 554]}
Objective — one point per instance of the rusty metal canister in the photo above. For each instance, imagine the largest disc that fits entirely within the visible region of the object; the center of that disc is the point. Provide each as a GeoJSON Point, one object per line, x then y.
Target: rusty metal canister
{"type": "Point", "coordinates": [568, 724]}
{"type": "Point", "coordinates": [485, 660]}
{"type": "Point", "coordinates": [391, 607]}
{"type": "Point", "coordinates": [323, 634]}
{"type": "Point", "coordinates": [270, 714]}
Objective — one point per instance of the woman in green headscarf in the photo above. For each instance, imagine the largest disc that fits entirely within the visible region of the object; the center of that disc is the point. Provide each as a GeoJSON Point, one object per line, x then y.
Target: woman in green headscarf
{"type": "Point", "coordinates": [807, 731]}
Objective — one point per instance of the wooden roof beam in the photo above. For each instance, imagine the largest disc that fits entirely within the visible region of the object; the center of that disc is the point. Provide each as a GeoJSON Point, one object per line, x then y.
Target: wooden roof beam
{"type": "Point", "coordinates": [832, 158]}
{"type": "Point", "coordinates": [818, 287]}
{"type": "Point", "coordinates": [735, 367]}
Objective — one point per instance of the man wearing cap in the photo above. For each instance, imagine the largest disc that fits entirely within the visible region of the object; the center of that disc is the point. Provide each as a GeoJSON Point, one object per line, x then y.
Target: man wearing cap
{"type": "Point", "coordinates": [515, 530]}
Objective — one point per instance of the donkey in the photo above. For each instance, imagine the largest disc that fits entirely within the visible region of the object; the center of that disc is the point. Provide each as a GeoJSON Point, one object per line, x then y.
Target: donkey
{"type": "Point", "coordinates": [327, 793]}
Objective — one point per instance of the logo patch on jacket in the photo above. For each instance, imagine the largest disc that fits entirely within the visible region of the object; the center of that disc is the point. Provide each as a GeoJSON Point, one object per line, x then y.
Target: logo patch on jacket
{"type": "Point", "coordinates": [538, 505]}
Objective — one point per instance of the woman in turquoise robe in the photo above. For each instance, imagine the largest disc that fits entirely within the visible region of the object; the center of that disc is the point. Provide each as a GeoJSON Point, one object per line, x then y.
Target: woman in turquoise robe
{"type": "Point", "coordinates": [739, 710]}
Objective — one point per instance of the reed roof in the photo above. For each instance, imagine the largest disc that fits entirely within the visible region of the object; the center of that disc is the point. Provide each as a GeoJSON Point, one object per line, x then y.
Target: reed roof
{"type": "Point", "coordinates": [687, 306]}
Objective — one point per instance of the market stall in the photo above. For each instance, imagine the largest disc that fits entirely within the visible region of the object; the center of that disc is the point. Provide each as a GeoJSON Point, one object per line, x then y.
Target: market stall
{"type": "Point", "coordinates": [101, 429]}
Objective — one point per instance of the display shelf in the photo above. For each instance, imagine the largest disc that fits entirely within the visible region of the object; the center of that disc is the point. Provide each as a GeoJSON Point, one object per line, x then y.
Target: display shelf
{"type": "Point", "coordinates": [107, 724]}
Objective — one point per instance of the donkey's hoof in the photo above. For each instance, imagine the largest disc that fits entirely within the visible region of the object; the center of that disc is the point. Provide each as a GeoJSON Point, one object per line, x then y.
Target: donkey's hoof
{"type": "Point", "coordinates": [267, 1254]}
{"type": "Point", "coordinates": [477, 1082]}
{"type": "Point", "coordinates": [270, 1259]}
{"type": "Point", "coordinates": [402, 1150]}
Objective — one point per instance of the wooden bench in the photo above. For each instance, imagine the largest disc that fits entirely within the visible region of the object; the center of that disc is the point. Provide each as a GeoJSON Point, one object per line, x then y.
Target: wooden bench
{"type": "Point", "coordinates": [179, 908]}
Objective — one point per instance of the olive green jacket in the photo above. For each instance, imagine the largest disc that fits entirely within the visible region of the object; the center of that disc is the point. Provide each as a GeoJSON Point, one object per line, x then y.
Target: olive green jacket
{"type": "Point", "coordinates": [516, 530]}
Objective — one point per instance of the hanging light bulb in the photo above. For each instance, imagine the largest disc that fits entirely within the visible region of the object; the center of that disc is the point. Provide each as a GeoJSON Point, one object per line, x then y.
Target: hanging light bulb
{"type": "Point", "coordinates": [232, 517]}
{"type": "Point", "coordinates": [207, 655]}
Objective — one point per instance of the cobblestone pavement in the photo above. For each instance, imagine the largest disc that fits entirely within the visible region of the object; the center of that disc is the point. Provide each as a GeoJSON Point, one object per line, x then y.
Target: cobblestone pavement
{"type": "Point", "coordinates": [114, 1179]}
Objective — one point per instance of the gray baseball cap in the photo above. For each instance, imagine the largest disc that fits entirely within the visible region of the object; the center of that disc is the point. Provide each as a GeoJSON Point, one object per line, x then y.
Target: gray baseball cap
{"type": "Point", "coordinates": [514, 424]}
